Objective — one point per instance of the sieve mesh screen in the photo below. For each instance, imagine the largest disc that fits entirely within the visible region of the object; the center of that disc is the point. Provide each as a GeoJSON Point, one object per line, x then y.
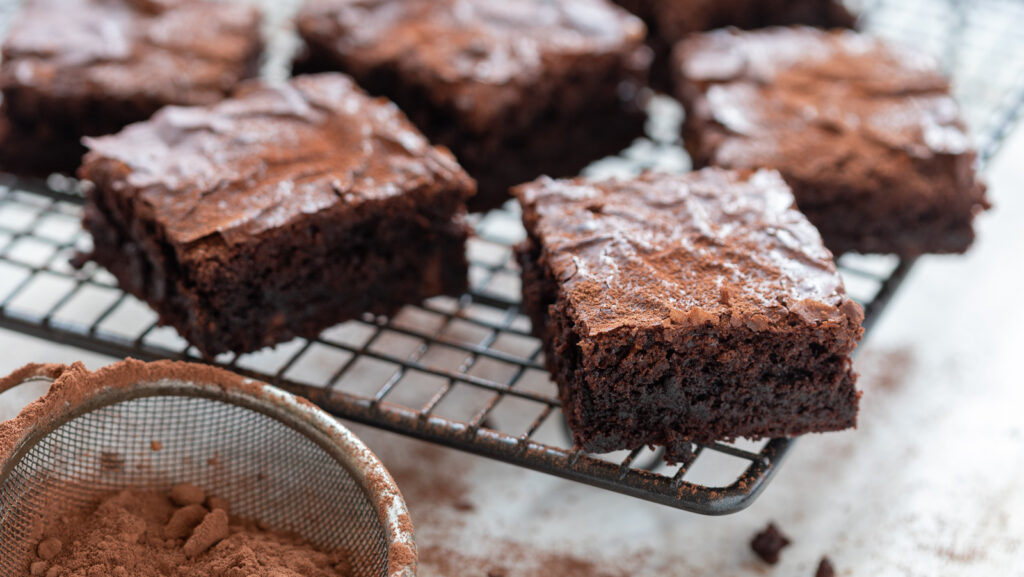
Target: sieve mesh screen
{"type": "Point", "coordinates": [268, 470]}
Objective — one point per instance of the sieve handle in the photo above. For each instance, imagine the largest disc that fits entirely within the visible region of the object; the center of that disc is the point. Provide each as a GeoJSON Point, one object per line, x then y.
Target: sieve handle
{"type": "Point", "coordinates": [49, 371]}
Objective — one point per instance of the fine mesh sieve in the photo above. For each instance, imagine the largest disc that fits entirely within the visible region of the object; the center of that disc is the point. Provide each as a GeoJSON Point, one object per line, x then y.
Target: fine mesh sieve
{"type": "Point", "coordinates": [275, 458]}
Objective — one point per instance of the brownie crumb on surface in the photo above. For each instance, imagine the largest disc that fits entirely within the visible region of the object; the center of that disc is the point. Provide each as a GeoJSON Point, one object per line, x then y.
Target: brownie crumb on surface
{"type": "Point", "coordinates": [825, 568]}
{"type": "Point", "coordinates": [768, 543]}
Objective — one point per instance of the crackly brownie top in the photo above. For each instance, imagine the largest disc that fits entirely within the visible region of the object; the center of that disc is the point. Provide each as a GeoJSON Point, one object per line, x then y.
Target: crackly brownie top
{"type": "Point", "coordinates": [186, 51]}
{"type": "Point", "coordinates": [774, 96]}
{"type": "Point", "coordinates": [477, 53]}
{"type": "Point", "coordinates": [268, 155]}
{"type": "Point", "coordinates": [684, 250]}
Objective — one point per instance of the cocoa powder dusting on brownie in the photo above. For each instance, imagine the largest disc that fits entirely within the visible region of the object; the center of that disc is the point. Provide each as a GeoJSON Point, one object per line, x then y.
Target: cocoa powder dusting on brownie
{"type": "Point", "coordinates": [145, 533]}
{"type": "Point", "coordinates": [768, 543]}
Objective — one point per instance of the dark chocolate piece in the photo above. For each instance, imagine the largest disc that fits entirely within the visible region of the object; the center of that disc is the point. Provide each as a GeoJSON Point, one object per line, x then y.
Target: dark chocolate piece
{"type": "Point", "coordinates": [865, 133]}
{"type": "Point", "coordinates": [825, 568]}
{"type": "Point", "coordinates": [89, 67]}
{"type": "Point", "coordinates": [768, 543]}
{"type": "Point", "coordinates": [276, 213]}
{"type": "Point", "coordinates": [514, 89]}
{"type": "Point", "coordinates": [678, 308]}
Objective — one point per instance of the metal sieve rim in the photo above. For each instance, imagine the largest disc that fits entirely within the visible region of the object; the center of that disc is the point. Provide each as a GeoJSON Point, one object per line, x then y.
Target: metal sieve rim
{"type": "Point", "coordinates": [74, 391]}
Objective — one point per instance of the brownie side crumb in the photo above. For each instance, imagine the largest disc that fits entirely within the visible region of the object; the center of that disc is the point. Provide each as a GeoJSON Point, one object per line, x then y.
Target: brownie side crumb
{"type": "Point", "coordinates": [768, 543]}
{"type": "Point", "coordinates": [825, 568]}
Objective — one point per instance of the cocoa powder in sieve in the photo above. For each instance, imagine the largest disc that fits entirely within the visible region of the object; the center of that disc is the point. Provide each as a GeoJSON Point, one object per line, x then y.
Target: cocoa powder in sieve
{"type": "Point", "coordinates": [149, 534]}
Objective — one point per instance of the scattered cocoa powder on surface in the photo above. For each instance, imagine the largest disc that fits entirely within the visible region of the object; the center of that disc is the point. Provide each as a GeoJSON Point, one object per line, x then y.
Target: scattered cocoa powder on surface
{"type": "Point", "coordinates": [400, 555]}
{"type": "Point", "coordinates": [516, 560]}
{"type": "Point", "coordinates": [146, 534]}
{"type": "Point", "coordinates": [886, 369]}
{"type": "Point", "coordinates": [431, 490]}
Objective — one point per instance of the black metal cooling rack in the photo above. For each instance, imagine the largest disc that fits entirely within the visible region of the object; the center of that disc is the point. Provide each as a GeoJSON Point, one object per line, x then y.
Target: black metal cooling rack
{"type": "Point", "coordinates": [465, 372]}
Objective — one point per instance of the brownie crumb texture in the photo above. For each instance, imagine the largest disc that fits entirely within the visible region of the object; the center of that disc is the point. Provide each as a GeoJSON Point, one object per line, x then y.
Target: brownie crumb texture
{"type": "Point", "coordinates": [169, 533]}
{"type": "Point", "coordinates": [768, 543]}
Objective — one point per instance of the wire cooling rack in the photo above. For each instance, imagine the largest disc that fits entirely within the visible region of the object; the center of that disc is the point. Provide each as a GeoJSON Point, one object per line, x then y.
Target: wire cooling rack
{"type": "Point", "coordinates": [465, 372]}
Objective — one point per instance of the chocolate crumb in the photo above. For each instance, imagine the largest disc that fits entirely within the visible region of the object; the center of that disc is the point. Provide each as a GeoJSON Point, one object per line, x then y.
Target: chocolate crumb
{"type": "Point", "coordinates": [79, 259]}
{"type": "Point", "coordinates": [825, 568]}
{"type": "Point", "coordinates": [679, 452]}
{"type": "Point", "coordinates": [463, 505]}
{"type": "Point", "coordinates": [768, 543]}
{"type": "Point", "coordinates": [38, 568]}
{"type": "Point", "coordinates": [156, 446]}
{"type": "Point", "coordinates": [497, 573]}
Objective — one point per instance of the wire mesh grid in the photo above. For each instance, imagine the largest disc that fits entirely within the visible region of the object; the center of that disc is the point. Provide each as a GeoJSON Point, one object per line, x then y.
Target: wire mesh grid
{"type": "Point", "coordinates": [266, 467]}
{"type": "Point", "coordinates": [465, 372]}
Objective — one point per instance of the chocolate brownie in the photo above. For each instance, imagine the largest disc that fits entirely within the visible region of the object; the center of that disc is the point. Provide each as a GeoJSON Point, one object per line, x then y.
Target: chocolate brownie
{"type": "Point", "coordinates": [865, 133]}
{"type": "Point", "coordinates": [514, 89]}
{"type": "Point", "coordinates": [669, 21]}
{"type": "Point", "coordinates": [276, 213]}
{"type": "Point", "coordinates": [89, 67]}
{"type": "Point", "coordinates": [678, 308]}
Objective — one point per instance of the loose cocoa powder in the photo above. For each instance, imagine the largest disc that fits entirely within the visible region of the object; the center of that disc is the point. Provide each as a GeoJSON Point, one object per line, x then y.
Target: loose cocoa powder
{"type": "Point", "coordinates": [149, 534]}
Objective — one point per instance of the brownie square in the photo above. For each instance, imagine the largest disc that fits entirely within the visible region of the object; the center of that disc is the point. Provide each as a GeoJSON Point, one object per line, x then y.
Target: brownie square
{"type": "Point", "coordinates": [89, 67]}
{"type": "Point", "coordinates": [669, 21]}
{"type": "Point", "coordinates": [678, 308]}
{"type": "Point", "coordinates": [276, 213]}
{"type": "Point", "coordinates": [865, 133]}
{"type": "Point", "coordinates": [514, 89]}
